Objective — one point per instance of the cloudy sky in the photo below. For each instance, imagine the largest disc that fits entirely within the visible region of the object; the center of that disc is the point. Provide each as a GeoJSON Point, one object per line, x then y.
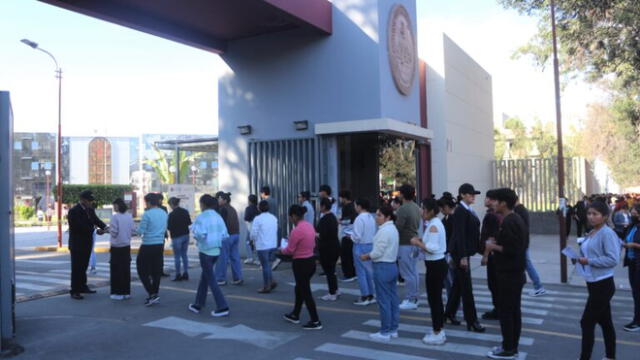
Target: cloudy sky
{"type": "Point", "coordinates": [124, 82]}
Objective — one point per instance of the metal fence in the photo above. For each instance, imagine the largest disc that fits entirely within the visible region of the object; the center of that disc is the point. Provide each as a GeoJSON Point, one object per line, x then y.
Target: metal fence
{"type": "Point", "coordinates": [287, 167]}
{"type": "Point", "coordinates": [536, 180]}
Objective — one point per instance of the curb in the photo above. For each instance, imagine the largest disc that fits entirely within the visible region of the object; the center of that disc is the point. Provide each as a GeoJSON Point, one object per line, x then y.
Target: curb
{"type": "Point", "coordinates": [65, 249]}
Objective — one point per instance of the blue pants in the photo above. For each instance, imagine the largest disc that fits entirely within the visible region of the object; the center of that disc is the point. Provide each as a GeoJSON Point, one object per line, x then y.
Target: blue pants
{"type": "Point", "coordinates": [229, 254]}
{"type": "Point", "coordinates": [533, 274]}
{"type": "Point", "coordinates": [385, 276]}
{"type": "Point", "coordinates": [207, 280]}
{"type": "Point", "coordinates": [408, 266]}
{"type": "Point", "coordinates": [265, 261]}
{"type": "Point", "coordinates": [180, 246]}
{"type": "Point", "coordinates": [364, 269]}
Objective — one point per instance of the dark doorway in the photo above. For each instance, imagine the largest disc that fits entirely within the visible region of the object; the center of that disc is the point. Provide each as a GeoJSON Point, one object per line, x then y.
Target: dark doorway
{"type": "Point", "coordinates": [358, 169]}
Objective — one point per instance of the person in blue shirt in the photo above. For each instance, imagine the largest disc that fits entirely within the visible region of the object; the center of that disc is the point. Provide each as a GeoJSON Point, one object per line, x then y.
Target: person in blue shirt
{"type": "Point", "coordinates": [632, 262]}
{"type": "Point", "coordinates": [209, 230]}
{"type": "Point", "coordinates": [152, 229]}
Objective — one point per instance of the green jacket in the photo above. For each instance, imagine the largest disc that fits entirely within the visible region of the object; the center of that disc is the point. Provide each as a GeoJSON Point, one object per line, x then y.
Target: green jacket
{"type": "Point", "coordinates": [408, 219]}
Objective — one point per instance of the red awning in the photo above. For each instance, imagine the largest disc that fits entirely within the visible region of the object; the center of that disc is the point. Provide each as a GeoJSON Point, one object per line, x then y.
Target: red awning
{"type": "Point", "coordinates": [207, 24]}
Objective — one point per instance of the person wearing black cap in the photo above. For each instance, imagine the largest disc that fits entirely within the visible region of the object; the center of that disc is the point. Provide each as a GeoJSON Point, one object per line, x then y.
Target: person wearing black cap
{"type": "Point", "coordinates": [464, 244]}
{"type": "Point", "coordinates": [82, 222]}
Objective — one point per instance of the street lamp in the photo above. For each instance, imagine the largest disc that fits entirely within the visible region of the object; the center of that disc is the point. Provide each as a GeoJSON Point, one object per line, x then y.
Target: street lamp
{"type": "Point", "coordinates": [48, 189]}
{"type": "Point", "coordinates": [193, 174]}
{"type": "Point", "coordinates": [35, 46]}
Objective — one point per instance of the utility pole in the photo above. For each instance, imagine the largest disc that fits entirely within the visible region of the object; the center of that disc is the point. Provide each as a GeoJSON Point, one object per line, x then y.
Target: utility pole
{"type": "Point", "coordinates": [561, 197]}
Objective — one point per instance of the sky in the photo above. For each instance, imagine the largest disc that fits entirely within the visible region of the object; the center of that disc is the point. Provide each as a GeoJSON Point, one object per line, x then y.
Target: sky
{"type": "Point", "coordinates": [121, 82]}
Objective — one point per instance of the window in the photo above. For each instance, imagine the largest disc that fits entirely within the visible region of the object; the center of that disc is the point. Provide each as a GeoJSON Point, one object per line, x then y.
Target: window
{"type": "Point", "coordinates": [203, 165]}
{"type": "Point", "coordinates": [35, 166]}
{"type": "Point", "coordinates": [35, 145]}
{"type": "Point", "coordinates": [17, 145]}
{"type": "Point", "coordinates": [47, 165]}
{"type": "Point", "coordinates": [214, 164]}
{"type": "Point", "coordinates": [100, 161]}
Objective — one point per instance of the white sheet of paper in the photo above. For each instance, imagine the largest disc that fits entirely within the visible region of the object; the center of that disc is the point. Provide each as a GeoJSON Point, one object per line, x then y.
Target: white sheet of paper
{"type": "Point", "coordinates": [570, 253]}
{"type": "Point", "coordinates": [284, 243]}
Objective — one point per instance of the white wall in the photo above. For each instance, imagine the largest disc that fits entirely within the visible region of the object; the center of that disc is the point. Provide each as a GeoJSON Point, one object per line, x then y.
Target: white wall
{"type": "Point", "coordinates": [460, 111]}
{"type": "Point", "coordinates": [79, 161]}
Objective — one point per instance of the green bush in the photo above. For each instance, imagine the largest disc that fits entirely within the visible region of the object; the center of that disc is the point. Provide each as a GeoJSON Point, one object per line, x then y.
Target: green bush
{"type": "Point", "coordinates": [24, 212]}
{"type": "Point", "coordinates": [104, 194]}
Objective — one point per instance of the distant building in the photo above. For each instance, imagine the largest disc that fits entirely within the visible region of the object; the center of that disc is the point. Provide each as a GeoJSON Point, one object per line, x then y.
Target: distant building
{"type": "Point", "coordinates": [100, 160]}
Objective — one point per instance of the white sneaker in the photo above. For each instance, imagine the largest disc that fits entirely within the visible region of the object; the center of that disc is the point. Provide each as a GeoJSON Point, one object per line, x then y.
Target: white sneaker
{"type": "Point", "coordinates": [394, 335]}
{"type": "Point", "coordinates": [93, 271]}
{"type": "Point", "coordinates": [330, 297]}
{"type": "Point", "coordinates": [248, 261]}
{"type": "Point", "coordinates": [126, 297]}
{"type": "Point", "coordinates": [435, 339]}
{"type": "Point", "coordinates": [538, 292]}
{"type": "Point", "coordinates": [408, 305]}
{"type": "Point", "coordinates": [379, 337]}
{"type": "Point", "coordinates": [117, 297]}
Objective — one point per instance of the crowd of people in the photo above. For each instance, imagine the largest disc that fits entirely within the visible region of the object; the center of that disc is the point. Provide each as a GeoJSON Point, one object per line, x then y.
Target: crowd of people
{"type": "Point", "coordinates": [379, 248]}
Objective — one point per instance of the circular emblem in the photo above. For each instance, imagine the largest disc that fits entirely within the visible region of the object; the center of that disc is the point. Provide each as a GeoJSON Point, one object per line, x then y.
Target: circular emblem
{"type": "Point", "coordinates": [402, 49]}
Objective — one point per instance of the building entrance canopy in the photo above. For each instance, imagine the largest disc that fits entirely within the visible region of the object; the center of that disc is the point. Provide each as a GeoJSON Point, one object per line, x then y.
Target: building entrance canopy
{"type": "Point", "coordinates": [207, 24]}
{"type": "Point", "coordinates": [382, 125]}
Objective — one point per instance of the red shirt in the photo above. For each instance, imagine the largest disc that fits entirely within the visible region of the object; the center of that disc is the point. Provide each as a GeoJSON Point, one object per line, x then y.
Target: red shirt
{"type": "Point", "coordinates": [302, 241]}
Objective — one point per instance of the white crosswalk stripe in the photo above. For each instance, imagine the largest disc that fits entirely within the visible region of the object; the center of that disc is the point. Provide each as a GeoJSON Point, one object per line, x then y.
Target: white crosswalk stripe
{"type": "Point", "coordinates": [365, 353]}
{"type": "Point", "coordinates": [525, 319]}
{"type": "Point", "coordinates": [449, 347]}
{"type": "Point", "coordinates": [451, 333]}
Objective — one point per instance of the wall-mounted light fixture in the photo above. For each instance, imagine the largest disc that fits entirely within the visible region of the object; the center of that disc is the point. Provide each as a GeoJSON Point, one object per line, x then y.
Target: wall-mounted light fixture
{"type": "Point", "coordinates": [245, 129]}
{"type": "Point", "coordinates": [301, 125]}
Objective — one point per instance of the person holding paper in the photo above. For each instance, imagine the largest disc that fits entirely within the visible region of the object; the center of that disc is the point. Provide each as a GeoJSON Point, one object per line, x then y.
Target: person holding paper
{"type": "Point", "coordinates": [209, 231]}
{"type": "Point", "coordinates": [302, 241]}
{"type": "Point", "coordinates": [264, 234]}
{"type": "Point", "coordinates": [600, 255]}
{"type": "Point", "coordinates": [509, 256]}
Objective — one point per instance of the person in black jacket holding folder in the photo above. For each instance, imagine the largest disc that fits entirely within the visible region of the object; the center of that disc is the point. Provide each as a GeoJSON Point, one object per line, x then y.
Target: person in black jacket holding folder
{"type": "Point", "coordinates": [509, 256]}
{"type": "Point", "coordinates": [328, 246]}
{"type": "Point", "coordinates": [82, 222]}
{"type": "Point", "coordinates": [464, 244]}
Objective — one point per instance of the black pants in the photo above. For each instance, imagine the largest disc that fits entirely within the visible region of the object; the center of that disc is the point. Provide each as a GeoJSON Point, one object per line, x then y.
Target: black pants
{"type": "Point", "coordinates": [491, 281]}
{"type": "Point", "coordinates": [79, 263]}
{"type": "Point", "coordinates": [436, 272]}
{"type": "Point", "coordinates": [149, 264]}
{"type": "Point", "coordinates": [509, 291]}
{"type": "Point", "coordinates": [634, 282]}
{"type": "Point", "coordinates": [462, 287]}
{"type": "Point", "coordinates": [328, 260]}
{"type": "Point", "coordinates": [580, 226]}
{"type": "Point", "coordinates": [598, 311]}
{"type": "Point", "coordinates": [346, 258]}
{"type": "Point", "coordinates": [303, 270]}
{"type": "Point", "coordinates": [120, 270]}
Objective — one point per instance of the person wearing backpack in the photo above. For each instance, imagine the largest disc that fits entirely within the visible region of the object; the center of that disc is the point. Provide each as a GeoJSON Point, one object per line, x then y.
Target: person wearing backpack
{"type": "Point", "coordinates": [464, 243]}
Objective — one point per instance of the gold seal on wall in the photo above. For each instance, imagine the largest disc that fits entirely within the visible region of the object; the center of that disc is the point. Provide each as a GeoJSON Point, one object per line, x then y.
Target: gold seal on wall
{"type": "Point", "coordinates": [402, 49]}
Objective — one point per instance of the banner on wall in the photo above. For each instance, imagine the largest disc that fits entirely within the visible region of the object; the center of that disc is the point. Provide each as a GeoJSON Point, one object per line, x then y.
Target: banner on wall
{"type": "Point", "coordinates": [186, 193]}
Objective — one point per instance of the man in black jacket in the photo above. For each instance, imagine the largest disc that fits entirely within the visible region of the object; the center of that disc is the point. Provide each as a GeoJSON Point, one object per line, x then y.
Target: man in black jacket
{"type": "Point", "coordinates": [464, 244]}
{"type": "Point", "coordinates": [509, 251]}
{"type": "Point", "coordinates": [82, 222]}
{"type": "Point", "coordinates": [489, 232]}
{"type": "Point", "coordinates": [580, 211]}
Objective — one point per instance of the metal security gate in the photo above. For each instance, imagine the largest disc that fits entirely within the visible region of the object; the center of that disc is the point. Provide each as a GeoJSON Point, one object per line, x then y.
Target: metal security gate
{"type": "Point", "coordinates": [287, 167]}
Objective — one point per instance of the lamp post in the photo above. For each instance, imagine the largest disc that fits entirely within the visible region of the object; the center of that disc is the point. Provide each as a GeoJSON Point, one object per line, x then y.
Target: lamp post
{"type": "Point", "coordinates": [48, 185]}
{"type": "Point", "coordinates": [561, 198]}
{"type": "Point", "coordinates": [35, 46]}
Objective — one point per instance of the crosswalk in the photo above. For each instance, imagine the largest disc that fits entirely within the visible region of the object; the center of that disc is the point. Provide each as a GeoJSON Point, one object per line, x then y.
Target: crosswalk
{"type": "Point", "coordinates": [56, 276]}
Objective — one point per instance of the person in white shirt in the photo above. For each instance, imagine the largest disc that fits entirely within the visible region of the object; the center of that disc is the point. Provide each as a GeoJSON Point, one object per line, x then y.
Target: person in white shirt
{"type": "Point", "coordinates": [264, 234]}
{"type": "Point", "coordinates": [364, 229]}
{"type": "Point", "coordinates": [121, 229]}
{"type": "Point", "coordinates": [304, 200]}
{"type": "Point", "coordinates": [434, 245]}
{"type": "Point", "coordinates": [385, 273]}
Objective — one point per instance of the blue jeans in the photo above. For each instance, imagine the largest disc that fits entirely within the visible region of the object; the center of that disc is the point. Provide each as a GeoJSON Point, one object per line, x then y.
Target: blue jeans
{"type": "Point", "coordinates": [364, 269]}
{"type": "Point", "coordinates": [229, 254]}
{"type": "Point", "coordinates": [207, 279]}
{"type": "Point", "coordinates": [180, 246]}
{"type": "Point", "coordinates": [408, 267]}
{"type": "Point", "coordinates": [533, 274]}
{"type": "Point", "coordinates": [385, 276]}
{"type": "Point", "coordinates": [265, 261]}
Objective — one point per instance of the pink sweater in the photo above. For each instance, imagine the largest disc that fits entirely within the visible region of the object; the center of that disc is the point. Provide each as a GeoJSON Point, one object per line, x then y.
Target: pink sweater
{"type": "Point", "coordinates": [302, 241]}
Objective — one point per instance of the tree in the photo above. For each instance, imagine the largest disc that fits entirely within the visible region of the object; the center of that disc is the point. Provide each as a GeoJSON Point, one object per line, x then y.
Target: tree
{"type": "Point", "coordinates": [543, 136]}
{"type": "Point", "coordinates": [162, 166]}
{"type": "Point", "coordinates": [397, 161]}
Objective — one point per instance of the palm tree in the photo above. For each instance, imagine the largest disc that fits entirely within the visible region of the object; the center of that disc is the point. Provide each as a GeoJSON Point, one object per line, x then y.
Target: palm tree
{"type": "Point", "coordinates": [162, 166]}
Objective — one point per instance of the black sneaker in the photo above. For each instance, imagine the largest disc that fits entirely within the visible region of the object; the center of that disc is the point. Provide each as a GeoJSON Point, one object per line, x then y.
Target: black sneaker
{"type": "Point", "coordinates": [499, 353]}
{"type": "Point", "coordinates": [312, 325]}
{"type": "Point", "coordinates": [632, 327]}
{"type": "Point", "coordinates": [194, 308]}
{"type": "Point", "coordinates": [152, 300]}
{"type": "Point", "coordinates": [185, 277]}
{"type": "Point", "coordinates": [291, 318]}
{"type": "Point", "coordinates": [177, 278]}
{"type": "Point", "coordinates": [490, 315]}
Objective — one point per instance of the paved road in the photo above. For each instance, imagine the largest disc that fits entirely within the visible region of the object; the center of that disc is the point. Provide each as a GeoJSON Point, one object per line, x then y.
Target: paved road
{"type": "Point", "coordinates": [99, 328]}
